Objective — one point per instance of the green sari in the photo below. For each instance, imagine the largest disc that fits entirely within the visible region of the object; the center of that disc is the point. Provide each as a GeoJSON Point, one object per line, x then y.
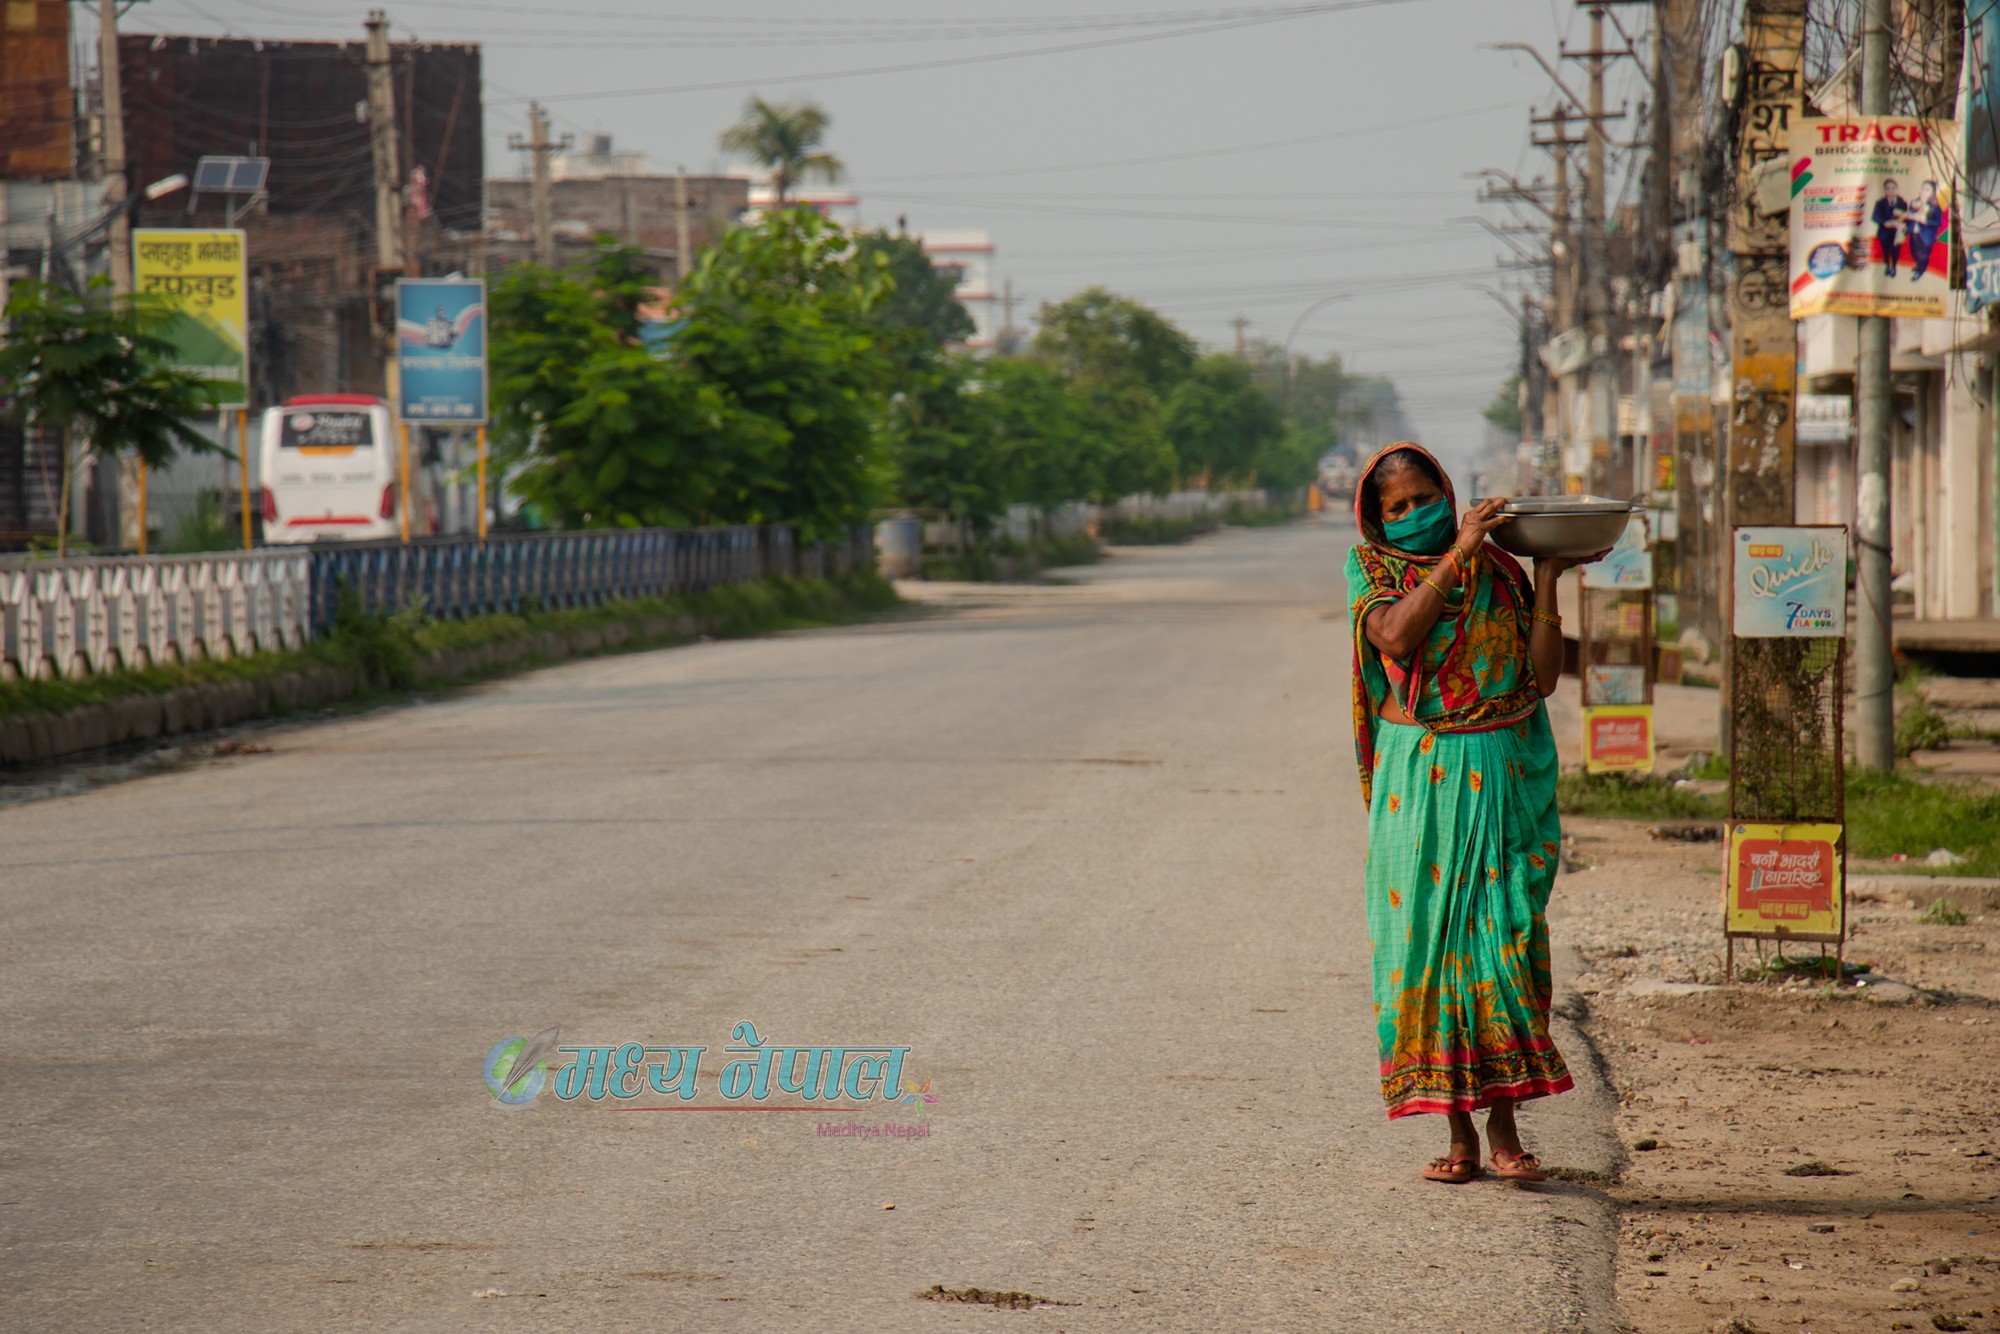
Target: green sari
{"type": "Point", "coordinates": [1463, 836]}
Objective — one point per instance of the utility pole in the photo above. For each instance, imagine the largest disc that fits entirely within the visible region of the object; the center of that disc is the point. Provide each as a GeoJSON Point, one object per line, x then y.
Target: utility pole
{"type": "Point", "coordinates": [1239, 324]}
{"type": "Point", "coordinates": [1874, 668]}
{"type": "Point", "coordinates": [541, 146]}
{"type": "Point", "coordinates": [1556, 423]}
{"type": "Point", "coordinates": [382, 142]}
{"type": "Point", "coordinates": [127, 481]}
{"type": "Point", "coordinates": [683, 228]}
{"type": "Point", "coordinates": [1597, 268]}
{"type": "Point", "coordinates": [115, 185]}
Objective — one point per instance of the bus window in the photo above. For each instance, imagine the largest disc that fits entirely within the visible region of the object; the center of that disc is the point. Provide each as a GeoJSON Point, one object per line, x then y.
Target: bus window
{"type": "Point", "coordinates": [327, 432]}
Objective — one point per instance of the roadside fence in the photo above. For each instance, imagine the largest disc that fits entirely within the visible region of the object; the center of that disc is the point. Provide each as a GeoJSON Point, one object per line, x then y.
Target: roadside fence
{"type": "Point", "coordinates": [97, 614]}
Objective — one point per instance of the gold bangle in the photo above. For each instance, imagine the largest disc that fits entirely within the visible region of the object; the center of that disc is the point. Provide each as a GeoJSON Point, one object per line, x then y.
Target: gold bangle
{"type": "Point", "coordinates": [1545, 618]}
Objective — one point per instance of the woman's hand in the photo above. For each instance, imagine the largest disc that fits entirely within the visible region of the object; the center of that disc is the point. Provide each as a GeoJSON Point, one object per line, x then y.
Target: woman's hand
{"type": "Point", "coordinates": [1555, 566]}
{"type": "Point", "coordinates": [1480, 520]}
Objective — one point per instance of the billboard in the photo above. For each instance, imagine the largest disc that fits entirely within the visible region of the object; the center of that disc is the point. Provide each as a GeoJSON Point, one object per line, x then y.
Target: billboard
{"type": "Point", "coordinates": [1784, 880]}
{"type": "Point", "coordinates": [441, 349]}
{"type": "Point", "coordinates": [201, 280]}
{"type": "Point", "coordinates": [1790, 583]}
{"type": "Point", "coordinates": [1871, 216]}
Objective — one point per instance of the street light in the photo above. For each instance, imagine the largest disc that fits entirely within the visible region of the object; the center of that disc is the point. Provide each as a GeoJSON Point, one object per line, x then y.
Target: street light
{"type": "Point", "coordinates": [1300, 323]}
{"type": "Point", "coordinates": [158, 190]}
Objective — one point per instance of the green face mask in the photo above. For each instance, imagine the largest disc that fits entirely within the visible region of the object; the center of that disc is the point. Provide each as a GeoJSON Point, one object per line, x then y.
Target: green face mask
{"type": "Point", "coordinates": [1426, 530]}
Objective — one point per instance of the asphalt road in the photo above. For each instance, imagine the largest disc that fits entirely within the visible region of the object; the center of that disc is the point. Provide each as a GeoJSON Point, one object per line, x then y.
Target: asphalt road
{"type": "Point", "coordinates": [1092, 852]}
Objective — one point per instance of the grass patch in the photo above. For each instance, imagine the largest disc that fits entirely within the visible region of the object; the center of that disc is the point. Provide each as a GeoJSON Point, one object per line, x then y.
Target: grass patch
{"type": "Point", "coordinates": [1889, 813]}
{"type": "Point", "coordinates": [387, 649]}
{"type": "Point", "coordinates": [1632, 797]}
{"type": "Point", "coordinates": [1943, 912]}
{"type": "Point", "coordinates": [1005, 560]}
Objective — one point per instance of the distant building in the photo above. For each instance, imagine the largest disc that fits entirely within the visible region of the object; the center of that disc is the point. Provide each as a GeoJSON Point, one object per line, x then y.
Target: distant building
{"type": "Point", "coordinates": [587, 198]}
{"type": "Point", "coordinates": [833, 205]}
{"type": "Point", "coordinates": [311, 240]}
{"type": "Point", "coordinates": [968, 257]}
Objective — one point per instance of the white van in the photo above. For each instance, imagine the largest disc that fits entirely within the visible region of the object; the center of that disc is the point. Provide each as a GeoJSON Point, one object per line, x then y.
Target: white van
{"type": "Point", "coordinates": [330, 464]}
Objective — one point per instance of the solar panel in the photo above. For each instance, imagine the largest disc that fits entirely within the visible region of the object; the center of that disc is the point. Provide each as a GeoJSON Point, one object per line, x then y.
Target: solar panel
{"type": "Point", "coordinates": [231, 175]}
{"type": "Point", "coordinates": [212, 173]}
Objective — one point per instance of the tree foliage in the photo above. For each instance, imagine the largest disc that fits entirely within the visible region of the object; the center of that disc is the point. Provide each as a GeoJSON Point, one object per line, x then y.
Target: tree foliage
{"type": "Point", "coordinates": [785, 138]}
{"type": "Point", "coordinates": [95, 370]}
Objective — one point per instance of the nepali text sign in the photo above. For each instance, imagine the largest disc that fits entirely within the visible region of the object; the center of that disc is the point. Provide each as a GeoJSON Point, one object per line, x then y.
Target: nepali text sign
{"type": "Point", "coordinates": [1871, 216]}
{"type": "Point", "coordinates": [1784, 880]}
{"type": "Point", "coordinates": [1618, 738]}
{"type": "Point", "coordinates": [1790, 583]}
{"type": "Point", "coordinates": [200, 280]}
{"type": "Point", "coordinates": [441, 347]}
{"type": "Point", "coordinates": [1982, 277]}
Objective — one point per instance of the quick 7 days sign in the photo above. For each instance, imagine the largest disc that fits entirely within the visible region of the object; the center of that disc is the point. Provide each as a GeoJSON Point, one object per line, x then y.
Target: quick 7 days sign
{"type": "Point", "coordinates": [1790, 583]}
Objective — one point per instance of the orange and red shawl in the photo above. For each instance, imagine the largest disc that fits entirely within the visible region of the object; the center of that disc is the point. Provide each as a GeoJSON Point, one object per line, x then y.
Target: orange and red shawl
{"type": "Point", "coordinates": [1475, 673]}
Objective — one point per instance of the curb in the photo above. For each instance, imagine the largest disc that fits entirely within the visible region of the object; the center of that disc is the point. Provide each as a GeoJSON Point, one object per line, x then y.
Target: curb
{"type": "Point", "coordinates": [29, 739]}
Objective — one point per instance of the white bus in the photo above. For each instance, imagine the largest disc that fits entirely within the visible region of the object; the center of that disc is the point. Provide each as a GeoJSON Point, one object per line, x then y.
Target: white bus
{"type": "Point", "coordinates": [330, 465]}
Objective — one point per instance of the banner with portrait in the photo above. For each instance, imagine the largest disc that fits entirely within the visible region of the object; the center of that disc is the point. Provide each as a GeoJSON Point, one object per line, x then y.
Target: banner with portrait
{"type": "Point", "coordinates": [1871, 216]}
{"type": "Point", "coordinates": [201, 279]}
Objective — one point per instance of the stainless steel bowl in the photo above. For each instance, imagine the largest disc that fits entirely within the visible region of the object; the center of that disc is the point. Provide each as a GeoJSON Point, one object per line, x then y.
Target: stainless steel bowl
{"type": "Point", "coordinates": [1562, 525]}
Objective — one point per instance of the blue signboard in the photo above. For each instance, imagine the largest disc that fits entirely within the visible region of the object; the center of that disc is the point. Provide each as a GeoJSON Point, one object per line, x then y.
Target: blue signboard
{"type": "Point", "coordinates": [1791, 583]}
{"type": "Point", "coordinates": [1982, 276]}
{"type": "Point", "coordinates": [441, 349]}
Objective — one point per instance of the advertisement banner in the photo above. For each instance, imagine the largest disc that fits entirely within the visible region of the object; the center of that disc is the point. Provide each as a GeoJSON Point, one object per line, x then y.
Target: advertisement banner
{"type": "Point", "coordinates": [201, 278]}
{"type": "Point", "coordinates": [441, 349]}
{"type": "Point", "coordinates": [1784, 880]}
{"type": "Point", "coordinates": [1618, 738]}
{"type": "Point", "coordinates": [1628, 564]}
{"type": "Point", "coordinates": [1980, 209]}
{"type": "Point", "coordinates": [1871, 216]}
{"type": "Point", "coordinates": [1790, 583]}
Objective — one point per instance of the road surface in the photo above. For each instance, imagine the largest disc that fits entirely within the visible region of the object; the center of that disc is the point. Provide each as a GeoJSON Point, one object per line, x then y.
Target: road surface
{"type": "Point", "coordinates": [1092, 852]}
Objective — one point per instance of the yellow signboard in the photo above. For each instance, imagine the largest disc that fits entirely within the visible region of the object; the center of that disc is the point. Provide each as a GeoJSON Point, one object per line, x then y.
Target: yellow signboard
{"type": "Point", "coordinates": [201, 278]}
{"type": "Point", "coordinates": [1618, 738]}
{"type": "Point", "coordinates": [1785, 880]}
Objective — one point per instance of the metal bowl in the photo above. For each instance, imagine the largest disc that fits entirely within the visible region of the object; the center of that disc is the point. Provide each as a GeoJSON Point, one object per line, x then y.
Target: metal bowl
{"type": "Point", "coordinates": [1562, 525]}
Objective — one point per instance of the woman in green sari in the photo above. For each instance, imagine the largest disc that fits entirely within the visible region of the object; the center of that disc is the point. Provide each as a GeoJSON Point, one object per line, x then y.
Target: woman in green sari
{"type": "Point", "coordinates": [1455, 650]}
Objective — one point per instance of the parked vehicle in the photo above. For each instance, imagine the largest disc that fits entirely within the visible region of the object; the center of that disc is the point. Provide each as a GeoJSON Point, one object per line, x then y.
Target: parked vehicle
{"type": "Point", "coordinates": [331, 468]}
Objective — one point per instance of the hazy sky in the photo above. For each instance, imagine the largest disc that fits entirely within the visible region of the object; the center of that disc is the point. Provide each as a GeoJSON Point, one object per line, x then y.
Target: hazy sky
{"type": "Point", "coordinates": [1244, 157]}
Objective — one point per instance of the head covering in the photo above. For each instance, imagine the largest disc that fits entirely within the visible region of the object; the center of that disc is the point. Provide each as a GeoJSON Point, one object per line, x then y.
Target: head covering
{"type": "Point", "coordinates": [1372, 531]}
{"type": "Point", "coordinates": [1474, 669]}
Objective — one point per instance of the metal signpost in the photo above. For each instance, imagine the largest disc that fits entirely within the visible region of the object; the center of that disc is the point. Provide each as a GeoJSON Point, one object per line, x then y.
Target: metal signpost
{"type": "Point", "coordinates": [1785, 878]}
{"type": "Point", "coordinates": [441, 356]}
{"type": "Point", "coordinates": [1615, 645]}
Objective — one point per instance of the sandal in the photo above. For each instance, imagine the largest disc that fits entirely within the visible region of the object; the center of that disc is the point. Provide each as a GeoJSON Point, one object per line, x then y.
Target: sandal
{"type": "Point", "coordinates": [1452, 1171]}
{"type": "Point", "coordinates": [1517, 1167]}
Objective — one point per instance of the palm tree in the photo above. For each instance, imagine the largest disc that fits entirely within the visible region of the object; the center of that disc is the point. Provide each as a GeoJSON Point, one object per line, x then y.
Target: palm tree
{"type": "Point", "coordinates": [785, 138]}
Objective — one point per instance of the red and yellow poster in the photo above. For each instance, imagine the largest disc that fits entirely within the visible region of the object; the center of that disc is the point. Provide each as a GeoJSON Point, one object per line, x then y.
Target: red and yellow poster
{"type": "Point", "coordinates": [1871, 216]}
{"type": "Point", "coordinates": [1618, 738]}
{"type": "Point", "coordinates": [1784, 880]}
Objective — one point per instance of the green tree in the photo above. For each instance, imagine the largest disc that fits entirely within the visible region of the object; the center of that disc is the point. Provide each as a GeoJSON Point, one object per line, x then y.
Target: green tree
{"type": "Point", "coordinates": [95, 370]}
{"type": "Point", "coordinates": [922, 311]}
{"type": "Point", "coordinates": [1219, 422]}
{"type": "Point", "coordinates": [785, 138]}
{"type": "Point", "coordinates": [1098, 337]}
{"type": "Point", "coordinates": [1505, 409]}
{"type": "Point", "coordinates": [1037, 431]}
{"type": "Point", "coordinates": [782, 318]}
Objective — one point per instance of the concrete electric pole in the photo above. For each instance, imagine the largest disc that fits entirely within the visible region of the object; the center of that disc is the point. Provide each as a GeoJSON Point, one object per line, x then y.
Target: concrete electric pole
{"type": "Point", "coordinates": [1874, 667]}
{"type": "Point", "coordinates": [683, 228]}
{"type": "Point", "coordinates": [382, 143]}
{"type": "Point", "coordinates": [115, 185]}
{"type": "Point", "coordinates": [540, 147]}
